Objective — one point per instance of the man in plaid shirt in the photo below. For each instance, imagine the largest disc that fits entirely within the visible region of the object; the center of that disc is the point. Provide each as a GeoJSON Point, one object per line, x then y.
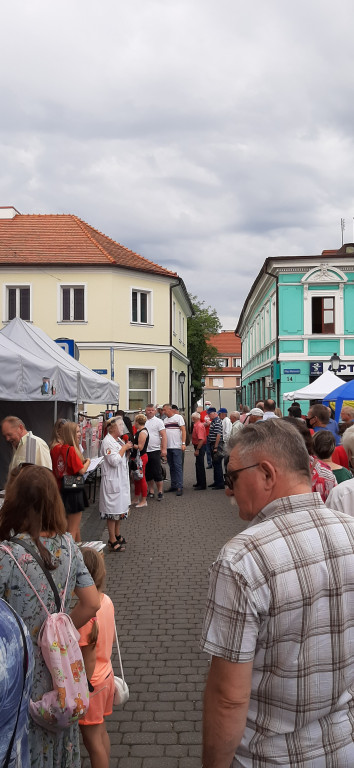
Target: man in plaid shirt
{"type": "Point", "coordinates": [279, 620]}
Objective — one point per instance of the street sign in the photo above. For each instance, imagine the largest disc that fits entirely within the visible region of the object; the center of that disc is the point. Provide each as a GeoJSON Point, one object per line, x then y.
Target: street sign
{"type": "Point", "coordinates": [292, 370]}
{"type": "Point", "coordinates": [102, 371]}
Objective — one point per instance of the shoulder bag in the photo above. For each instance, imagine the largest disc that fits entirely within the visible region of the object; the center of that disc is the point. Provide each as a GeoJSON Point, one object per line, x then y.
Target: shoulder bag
{"type": "Point", "coordinates": [72, 482]}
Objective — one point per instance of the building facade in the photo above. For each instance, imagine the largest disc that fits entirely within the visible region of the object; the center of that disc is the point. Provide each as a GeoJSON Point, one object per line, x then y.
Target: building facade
{"type": "Point", "coordinates": [223, 382]}
{"type": "Point", "coordinates": [127, 315]}
{"type": "Point", "coordinates": [298, 312]}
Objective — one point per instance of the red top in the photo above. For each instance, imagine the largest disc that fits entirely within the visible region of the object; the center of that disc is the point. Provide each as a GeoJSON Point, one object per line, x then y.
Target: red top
{"type": "Point", "coordinates": [340, 456]}
{"type": "Point", "coordinates": [73, 462]}
{"type": "Point", "coordinates": [198, 433]}
{"type": "Point", "coordinates": [203, 416]}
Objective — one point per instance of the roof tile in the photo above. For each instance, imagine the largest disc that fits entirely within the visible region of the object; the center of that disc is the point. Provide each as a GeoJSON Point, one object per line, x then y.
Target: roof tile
{"type": "Point", "coordinates": [33, 239]}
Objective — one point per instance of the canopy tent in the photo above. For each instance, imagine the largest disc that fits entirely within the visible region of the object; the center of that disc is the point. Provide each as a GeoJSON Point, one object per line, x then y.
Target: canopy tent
{"type": "Point", "coordinates": [343, 393]}
{"type": "Point", "coordinates": [23, 373]}
{"type": "Point", "coordinates": [317, 390]}
{"type": "Point", "coordinates": [72, 381]}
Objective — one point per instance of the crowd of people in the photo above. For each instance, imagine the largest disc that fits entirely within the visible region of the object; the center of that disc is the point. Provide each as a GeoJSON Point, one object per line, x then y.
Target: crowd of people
{"type": "Point", "coordinates": [279, 623]}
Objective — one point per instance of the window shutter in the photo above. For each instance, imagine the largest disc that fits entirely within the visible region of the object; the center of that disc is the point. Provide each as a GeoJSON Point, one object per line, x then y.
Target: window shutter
{"type": "Point", "coordinates": [12, 303]}
{"type": "Point", "coordinates": [25, 303]}
{"type": "Point", "coordinates": [66, 304]}
{"type": "Point", "coordinates": [79, 305]}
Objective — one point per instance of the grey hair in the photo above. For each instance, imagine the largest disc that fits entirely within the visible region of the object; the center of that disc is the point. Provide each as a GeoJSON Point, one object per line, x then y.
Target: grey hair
{"type": "Point", "coordinates": [348, 443]}
{"type": "Point", "coordinates": [274, 439]}
{"type": "Point", "coordinates": [14, 421]}
{"type": "Point", "coordinates": [196, 415]}
{"type": "Point", "coordinates": [235, 413]}
{"type": "Point", "coordinates": [348, 409]}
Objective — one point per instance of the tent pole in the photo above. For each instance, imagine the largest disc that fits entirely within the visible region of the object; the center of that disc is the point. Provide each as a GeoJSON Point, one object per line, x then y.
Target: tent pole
{"type": "Point", "coordinates": [55, 411]}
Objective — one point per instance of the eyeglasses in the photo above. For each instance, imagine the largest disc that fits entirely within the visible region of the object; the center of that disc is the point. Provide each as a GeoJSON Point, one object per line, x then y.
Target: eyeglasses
{"type": "Point", "coordinates": [231, 477]}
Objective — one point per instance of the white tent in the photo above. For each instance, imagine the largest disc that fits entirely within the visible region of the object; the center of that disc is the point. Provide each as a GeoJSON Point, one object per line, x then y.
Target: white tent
{"type": "Point", "coordinates": [22, 375]}
{"type": "Point", "coordinates": [318, 389]}
{"type": "Point", "coordinates": [72, 381]}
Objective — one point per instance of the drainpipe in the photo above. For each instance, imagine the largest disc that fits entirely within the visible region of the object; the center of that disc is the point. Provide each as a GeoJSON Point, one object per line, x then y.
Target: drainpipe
{"type": "Point", "coordinates": [172, 285]}
{"type": "Point", "coordinates": [276, 278]}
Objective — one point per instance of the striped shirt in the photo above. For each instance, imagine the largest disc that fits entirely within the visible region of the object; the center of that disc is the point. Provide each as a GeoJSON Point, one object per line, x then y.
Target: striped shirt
{"type": "Point", "coordinates": [216, 429]}
{"type": "Point", "coordinates": [281, 594]}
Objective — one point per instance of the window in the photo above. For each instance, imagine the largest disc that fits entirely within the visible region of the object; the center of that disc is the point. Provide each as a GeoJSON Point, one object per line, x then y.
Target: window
{"type": "Point", "coordinates": [218, 382]}
{"type": "Point", "coordinates": [72, 304]}
{"type": "Point", "coordinates": [180, 326]}
{"type": "Point", "coordinates": [175, 387]}
{"type": "Point", "coordinates": [183, 341]}
{"type": "Point", "coordinates": [18, 302]}
{"type": "Point", "coordinates": [236, 362]}
{"type": "Point", "coordinates": [174, 318]}
{"type": "Point", "coordinates": [140, 388]}
{"type": "Point", "coordinates": [223, 362]}
{"type": "Point", "coordinates": [141, 307]}
{"type": "Point", "coordinates": [323, 314]}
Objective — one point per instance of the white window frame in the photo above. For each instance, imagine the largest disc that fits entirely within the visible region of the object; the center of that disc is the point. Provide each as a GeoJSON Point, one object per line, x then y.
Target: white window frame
{"type": "Point", "coordinates": [338, 311]}
{"type": "Point", "coordinates": [152, 390]}
{"type": "Point", "coordinates": [236, 362]}
{"type": "Point", "coordinates": [174, 318]}
{"type": "Point", "coordinates": [183, 332]}
{"type": "Point", "coordinates": [180, 326]}
{"type": "Point", "coordinates": [223, 362]}
{"type": "Point", "coordinates": [175, 387]}
{"type": "Point", "coordinates": [218, 383]}
{"type": "Point", "coordinates": [5, 302]}
{"type": "Point", "coordinates": [149, 294]}
{"type": "Point", "coordinates": [60, 303]}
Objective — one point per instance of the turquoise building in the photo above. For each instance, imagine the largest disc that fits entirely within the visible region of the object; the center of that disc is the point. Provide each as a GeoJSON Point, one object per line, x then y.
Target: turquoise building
{"type": "Point", "coordinates": [299, 311]}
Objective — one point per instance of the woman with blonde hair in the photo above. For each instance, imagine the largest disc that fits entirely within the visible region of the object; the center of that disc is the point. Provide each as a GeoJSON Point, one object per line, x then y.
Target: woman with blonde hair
{"type": "Point", "coordinates": [67, 459]}
{"type": "Point", "coordinates": [56, 437]}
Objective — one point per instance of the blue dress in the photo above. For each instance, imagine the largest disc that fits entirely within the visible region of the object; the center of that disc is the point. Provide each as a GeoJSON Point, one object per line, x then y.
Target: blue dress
{"type": "Point", "coordinates": [15, 687]}
{"type": "Point", "coordinates": [47, 750]}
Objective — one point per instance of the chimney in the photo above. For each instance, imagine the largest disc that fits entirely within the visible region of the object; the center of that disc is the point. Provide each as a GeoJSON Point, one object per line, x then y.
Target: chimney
{"type": "Point", "coordinates": [8, 212]}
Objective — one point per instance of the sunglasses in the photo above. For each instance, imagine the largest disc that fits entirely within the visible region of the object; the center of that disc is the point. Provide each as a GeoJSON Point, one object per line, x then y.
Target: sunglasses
{"type": "Point", "coordinates": [230, 478]}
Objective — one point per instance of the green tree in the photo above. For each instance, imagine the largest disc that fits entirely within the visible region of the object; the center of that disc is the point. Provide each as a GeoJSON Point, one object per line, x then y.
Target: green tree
{"type": "Point", "coordinates": [201, 326]}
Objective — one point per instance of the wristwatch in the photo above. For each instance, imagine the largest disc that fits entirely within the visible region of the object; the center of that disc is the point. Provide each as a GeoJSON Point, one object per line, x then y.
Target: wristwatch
{"type": "Point", "coordinates": [183, 443]}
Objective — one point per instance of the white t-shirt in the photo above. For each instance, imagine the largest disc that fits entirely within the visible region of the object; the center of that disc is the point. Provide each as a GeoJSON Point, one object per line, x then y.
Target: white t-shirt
{"type": "Point", "coordinates": [173, 431]}
{"type": "Point", "coordinates": [154, 427]}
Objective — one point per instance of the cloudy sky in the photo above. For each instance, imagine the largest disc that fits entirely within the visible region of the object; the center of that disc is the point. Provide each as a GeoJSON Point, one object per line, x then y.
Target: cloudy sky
{"type": "Point", "coordinates": [204, 134]}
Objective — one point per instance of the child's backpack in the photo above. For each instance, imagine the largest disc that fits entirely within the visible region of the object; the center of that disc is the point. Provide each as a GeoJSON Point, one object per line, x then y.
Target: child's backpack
{"type": "Point", "coordinates": [58, 641]}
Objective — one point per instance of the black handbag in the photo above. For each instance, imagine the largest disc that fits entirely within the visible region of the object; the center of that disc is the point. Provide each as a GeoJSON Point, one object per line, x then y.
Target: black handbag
{"type": "Point", "coordinates": [72, 482]}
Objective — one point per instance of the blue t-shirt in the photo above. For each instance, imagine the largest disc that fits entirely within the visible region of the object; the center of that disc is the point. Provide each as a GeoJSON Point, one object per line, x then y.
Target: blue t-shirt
{"type": "Point", "coordinates": [332, 426]}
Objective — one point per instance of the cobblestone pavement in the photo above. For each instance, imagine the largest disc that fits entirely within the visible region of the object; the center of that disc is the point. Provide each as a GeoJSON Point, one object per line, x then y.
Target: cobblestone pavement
{"type": "Point", "coordinates": [158, 586]}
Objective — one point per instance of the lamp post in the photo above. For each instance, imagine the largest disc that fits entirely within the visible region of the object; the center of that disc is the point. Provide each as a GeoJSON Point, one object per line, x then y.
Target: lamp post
{"type": "Point", "coordinates": [335, 363]}
{"type": "Point", "coordinates": [181, 379]}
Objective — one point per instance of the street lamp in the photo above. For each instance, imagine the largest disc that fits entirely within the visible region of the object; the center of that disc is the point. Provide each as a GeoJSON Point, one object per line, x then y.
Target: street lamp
{"type": "Point", "coordinates": [335, 363]}
{"type": "Point", "coordinates": [181, 379]}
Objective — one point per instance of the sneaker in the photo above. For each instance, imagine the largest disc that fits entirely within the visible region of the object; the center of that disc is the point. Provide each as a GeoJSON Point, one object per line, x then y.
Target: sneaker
{"type": "Point", "coordinates": [159, 496]}
{"type": "Point", "coordinates": [151, 495]}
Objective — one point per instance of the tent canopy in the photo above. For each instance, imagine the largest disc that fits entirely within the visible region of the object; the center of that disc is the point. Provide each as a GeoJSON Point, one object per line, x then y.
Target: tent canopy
{"type": "Point", "coordinates": [339, 395]}
{"type": "Point", "coordinates": [317, 390]}
{"type": "Point", "coordinates": [72, 380]}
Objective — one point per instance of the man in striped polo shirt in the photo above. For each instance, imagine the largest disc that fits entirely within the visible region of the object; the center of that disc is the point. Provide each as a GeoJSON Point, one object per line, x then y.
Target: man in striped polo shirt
{"type": "Point", "coordinates": [216, 447]}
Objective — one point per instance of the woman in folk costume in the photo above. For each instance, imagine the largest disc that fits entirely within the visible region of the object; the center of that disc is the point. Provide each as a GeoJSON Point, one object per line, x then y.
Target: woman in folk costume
{"type": "Point", "coordinates": [115, 484]}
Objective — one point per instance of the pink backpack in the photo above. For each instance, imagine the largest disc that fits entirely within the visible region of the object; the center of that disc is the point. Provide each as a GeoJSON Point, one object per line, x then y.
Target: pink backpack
{"type": "Point", "coordinates": [58, 641]}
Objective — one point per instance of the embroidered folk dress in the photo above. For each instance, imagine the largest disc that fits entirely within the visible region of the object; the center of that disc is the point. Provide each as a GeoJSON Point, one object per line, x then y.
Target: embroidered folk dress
{"type": "Point", "coordinates": [115, 485]}
{"type": "Point", "coordinates": [47, 750]}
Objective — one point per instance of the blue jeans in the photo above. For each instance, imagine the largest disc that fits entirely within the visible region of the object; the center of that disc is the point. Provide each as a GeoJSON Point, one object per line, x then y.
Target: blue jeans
{"type": "Point", "coordinates": [174, 458]}
{"type": "Point", "coordinates": [208, 453]}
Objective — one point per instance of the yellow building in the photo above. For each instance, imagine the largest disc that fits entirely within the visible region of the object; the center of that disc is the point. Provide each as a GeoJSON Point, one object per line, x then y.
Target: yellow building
{"type": "Point", "coordinates": [127, 315]}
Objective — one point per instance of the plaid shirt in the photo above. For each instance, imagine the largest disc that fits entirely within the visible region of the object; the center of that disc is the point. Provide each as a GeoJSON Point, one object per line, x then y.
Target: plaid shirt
{"type": "Point", "coordinates": [282, 594]}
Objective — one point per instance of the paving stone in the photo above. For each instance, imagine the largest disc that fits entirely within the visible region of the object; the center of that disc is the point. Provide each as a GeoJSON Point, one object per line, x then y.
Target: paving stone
{"type": "Point", "coordinates": [159, 588]}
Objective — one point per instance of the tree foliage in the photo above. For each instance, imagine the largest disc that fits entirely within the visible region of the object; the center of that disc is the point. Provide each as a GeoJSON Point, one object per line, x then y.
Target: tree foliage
{"type": "Point", "coordinates": [201, 326]}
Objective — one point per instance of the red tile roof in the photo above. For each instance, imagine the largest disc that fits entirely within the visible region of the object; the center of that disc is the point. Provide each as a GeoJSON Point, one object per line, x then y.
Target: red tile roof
{"type": "Point", "coordinates": [65, 239]}
{"type": "Point", "coordinates": [227, 343]}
